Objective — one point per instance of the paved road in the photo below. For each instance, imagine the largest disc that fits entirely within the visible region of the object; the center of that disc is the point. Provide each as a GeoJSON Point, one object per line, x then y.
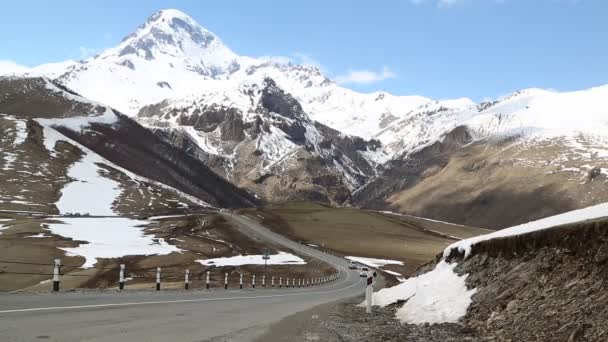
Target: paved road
{"type": "Point", "coordinates": [220, 315]}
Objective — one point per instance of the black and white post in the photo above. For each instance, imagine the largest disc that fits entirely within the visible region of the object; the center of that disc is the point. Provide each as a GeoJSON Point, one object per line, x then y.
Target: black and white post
{"type": "Point", "coordinates": [158, 279]}
{"type": "Point", "coordinates": [56, 274]}
{"type": "Point", "coordinates": [226, 281]}
{"type": "Point", "coordinates": [280, 282]}
{"type": "Point", "coordinates": [187, 280]}
{"type": "Point", "coordinates": [369, 292]}
{"type": "Point", "coordinates": [253, 282]}
{"type": "Point", "coordinates": [264, 281]}
{"type": "Point", "coordinates": [241, 282]}
{"type": "Point", "coordinates": [121, 277]}
{"type": "Point", "coordinates": [207, 280]}
{"type": "Point", "coordinates": [272, 282]}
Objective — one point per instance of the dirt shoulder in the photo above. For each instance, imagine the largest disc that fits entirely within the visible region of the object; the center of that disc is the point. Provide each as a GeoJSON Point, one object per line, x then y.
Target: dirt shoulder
{"type": "Point", "coordinates": [345, 321]}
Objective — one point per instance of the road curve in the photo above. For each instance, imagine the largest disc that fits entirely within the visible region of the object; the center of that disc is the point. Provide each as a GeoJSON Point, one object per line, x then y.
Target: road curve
{"type": "Point", "coordinates": [219, 315]}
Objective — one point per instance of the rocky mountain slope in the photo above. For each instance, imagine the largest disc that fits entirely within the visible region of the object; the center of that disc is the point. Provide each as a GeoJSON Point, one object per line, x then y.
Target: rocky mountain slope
{"type": "Point", "coordinates": [58, 148]}
{"type": "Point", "coordinates": [264, 141]}
{"type": "Point", "coordinates": [530, 155]}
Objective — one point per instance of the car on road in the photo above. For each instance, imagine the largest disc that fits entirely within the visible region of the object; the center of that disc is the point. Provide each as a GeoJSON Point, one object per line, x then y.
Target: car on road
{"type": "Point", "coordinates": [352, 265]}
{"type": "Point", "coordinates": [364, 271]}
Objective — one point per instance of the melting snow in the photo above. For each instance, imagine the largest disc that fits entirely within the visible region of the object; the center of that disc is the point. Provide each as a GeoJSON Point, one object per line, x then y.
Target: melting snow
{"type": "Point", "coordinates": [277, 259]}
{"type": "Point", "coordinates": [2, 227]}
{"type": "Point", "coordinates": [109, 238]}
{"type": "Point", "coordinates": [371, 262]}
{"type": "Point", "coordinates": [37, 236]}
{"type": "Point", "coordinates": [439, 296]}
{"type": "Point", "coordinates": [90, 192]}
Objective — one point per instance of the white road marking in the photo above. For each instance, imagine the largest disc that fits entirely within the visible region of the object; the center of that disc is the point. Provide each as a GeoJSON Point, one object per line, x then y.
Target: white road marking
{"type": "Point", "coordinates": [169, 301]}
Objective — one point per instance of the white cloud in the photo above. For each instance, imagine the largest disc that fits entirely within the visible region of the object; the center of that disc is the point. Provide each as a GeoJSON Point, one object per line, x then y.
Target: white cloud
{"type": "Point", "coordinates": [304, 59]}
{"type": "Point", "coordinates": [11, 68]}
{"type": "Point", "coordinates": [276, 59]}
{"type": "Point", "coordinates": [86, 52]}
{"type": "Point", "coordinates": [295, 58]}
{"type": "Point", "coordinates": [365, 76]}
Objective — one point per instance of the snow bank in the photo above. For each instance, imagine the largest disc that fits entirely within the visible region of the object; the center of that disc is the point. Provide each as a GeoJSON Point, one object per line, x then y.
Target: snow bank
{"type": "Point", "coordinates": [278, 259]}
{"type": "Point", "coordinates": [439, 296]}
{"type": "Point", "coordinates": [589, 213]}
{"type": "Point", "coordinates": [109, 238]}
{"type": "Point", "coordinates": [371, 262]}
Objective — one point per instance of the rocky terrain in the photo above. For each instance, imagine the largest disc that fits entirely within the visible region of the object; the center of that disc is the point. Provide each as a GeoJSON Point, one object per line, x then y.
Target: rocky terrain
{"type": "Point", "coordinates": [489, 183]}
{"type": "Point", "coordinates": [544, 286]}
{"type": "Point", "coordinates": [50, 129]}
{"type": "Point", "coordinates": [270, 147]}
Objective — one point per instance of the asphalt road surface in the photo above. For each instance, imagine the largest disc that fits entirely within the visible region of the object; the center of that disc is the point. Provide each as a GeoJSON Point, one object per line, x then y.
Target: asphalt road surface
{"type": "Point", "coordinates": [217, 315]}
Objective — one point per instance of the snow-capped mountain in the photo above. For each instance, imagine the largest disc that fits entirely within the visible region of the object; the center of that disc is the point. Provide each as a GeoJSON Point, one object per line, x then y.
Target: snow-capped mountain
{"type": "Point", "coordinates": [528, 155]}
{"type": "Point", "coordinates": [182, 81]}
{"type": "Point", "coordinates": [171, 56]}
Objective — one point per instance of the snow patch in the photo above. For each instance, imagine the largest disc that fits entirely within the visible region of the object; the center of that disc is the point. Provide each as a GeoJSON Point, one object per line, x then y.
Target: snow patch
{"type": "Point", "coordinates": [371, 262]}
{"type": "Point", "coordinates": [281, 258]}
{"type": "Point", "coordinates": [90, 192]}
{"type": "Point", "coordinates": [109, 238]}
{"type": "Point", "coordinates": [439, 296]}
{"type": "Point", "coordinates": [77, 123]}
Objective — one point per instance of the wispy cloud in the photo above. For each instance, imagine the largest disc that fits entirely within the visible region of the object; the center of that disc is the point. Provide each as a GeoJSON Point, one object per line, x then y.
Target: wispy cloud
{"type": "Point", "coordinates": [305, 59]}
{"type": "Point", "coordinates": [86, 52]}
{"type": "Point", "coordinates": [296, 58]}
{"type": "Point", "coordinates": [365, 76]}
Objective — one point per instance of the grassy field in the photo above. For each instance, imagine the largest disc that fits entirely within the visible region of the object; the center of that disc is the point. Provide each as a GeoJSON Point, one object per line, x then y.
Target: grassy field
{"type": "Point", "coordinates": [215, 238]}
{"type": "Point", "coordinates": [355, 232]}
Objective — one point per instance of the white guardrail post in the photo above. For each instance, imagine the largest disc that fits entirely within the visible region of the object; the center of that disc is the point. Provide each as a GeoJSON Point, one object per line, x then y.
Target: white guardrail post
{"type": "Point", "coordinates": [272, 282]}
{"type": "Point", "coordinates": [253, 281]}
{"type": "Point", "coordinates": [241, 281]}
{"type": "Point", "coordinates": [369, 292]}
{"type": "Point", "coordinates": [121, 277]}
{"type": "Point", "coordinates": [264, 281]}
{"type": "Point", "coordinates": [158, 279]}
{"type": "Point", "coordinates": [226, 281]}
{"type": "Point", "coordinates": [207, 280]}
{"type": "Point", "coordinates": [57, 263]}
{"type": "Point", "coordinates": [187, 280]}
{"type": "Point", "coordinates": [280, 282]}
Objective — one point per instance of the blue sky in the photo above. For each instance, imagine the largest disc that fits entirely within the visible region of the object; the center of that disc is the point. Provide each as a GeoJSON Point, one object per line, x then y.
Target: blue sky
{"type": "Point", "coordinates": [436, 48]}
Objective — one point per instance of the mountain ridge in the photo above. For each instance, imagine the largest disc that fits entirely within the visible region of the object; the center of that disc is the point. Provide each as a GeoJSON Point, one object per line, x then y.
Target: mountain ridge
{"type": "Point", "coordinates": [180, 80]}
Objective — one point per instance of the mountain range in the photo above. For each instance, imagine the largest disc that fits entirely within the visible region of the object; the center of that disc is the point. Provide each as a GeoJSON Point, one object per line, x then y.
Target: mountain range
{"type": "Point", "coordinates": [284, 131]}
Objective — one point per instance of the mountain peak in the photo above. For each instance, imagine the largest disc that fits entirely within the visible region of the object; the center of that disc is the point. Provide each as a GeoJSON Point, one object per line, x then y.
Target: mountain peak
{"type": "Point", "coordinates": [175, 34]}
{"type": "Point", "coordinates": [169, 14]}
